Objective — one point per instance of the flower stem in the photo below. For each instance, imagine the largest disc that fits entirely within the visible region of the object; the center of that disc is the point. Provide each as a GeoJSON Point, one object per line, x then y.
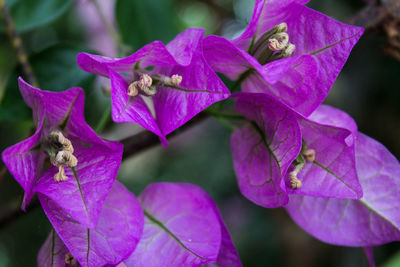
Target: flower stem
{"type": "Point", "coordinates": [111, 29]}
{"type": "Point", "coordinates": [104, 118]}
{"type": "Point", "coordinates": [16, 42]}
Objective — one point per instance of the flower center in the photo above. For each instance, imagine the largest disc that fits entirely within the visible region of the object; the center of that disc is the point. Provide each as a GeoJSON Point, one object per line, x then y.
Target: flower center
{"type": "Point", "coordinates": [69, 259]}
{"type": "Point", "coordinates": [146, 84]}
{"type": "Point", "coordinates": [272, 45]}
{"type": "Point", "coordinates": [61, 151]}
{"type": "Point", "coordinates": [299, 162]}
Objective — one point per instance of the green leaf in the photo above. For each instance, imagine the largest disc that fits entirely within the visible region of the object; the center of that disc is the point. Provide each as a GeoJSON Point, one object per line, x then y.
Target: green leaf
{"type": "Point", "coordinates": [7, 64]}
{"type": "Point", "coordinates": [141, 22]}
{"type": "Point", "coordinates": [31, 14]}
{"type": "Point", "coordinates": [56, 68]}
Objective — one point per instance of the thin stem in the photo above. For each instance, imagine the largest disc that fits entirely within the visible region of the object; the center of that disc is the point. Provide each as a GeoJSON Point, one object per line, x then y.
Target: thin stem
{"type": "Point", "coordinates": [110, 28]}
{"type": "Point", "coordinates": [105, 117]}
{"type": "Point", "coordinates": [16, 42]}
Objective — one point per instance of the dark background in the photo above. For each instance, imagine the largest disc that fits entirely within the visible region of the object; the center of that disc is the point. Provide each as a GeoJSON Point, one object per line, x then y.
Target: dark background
{"type": "Point", "coordinates": [54, 31]}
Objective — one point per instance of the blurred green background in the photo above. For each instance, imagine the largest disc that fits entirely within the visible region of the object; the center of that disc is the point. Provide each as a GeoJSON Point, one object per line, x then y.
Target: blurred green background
{"type": "Point", "coordinates": [54, 31]}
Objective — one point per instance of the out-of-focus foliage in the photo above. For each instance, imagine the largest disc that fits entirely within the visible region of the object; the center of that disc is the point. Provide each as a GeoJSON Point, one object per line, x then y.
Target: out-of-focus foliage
{"type": "Point", "coordinates": [141, 22]}
{"type": "Point", "coordinates": [53, 33]}
{"type": "Point", "coordinates": [28, 14]}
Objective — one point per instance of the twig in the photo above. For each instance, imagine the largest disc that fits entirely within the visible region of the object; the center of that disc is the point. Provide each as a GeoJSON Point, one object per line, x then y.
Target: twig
{"type": "Point", "coordinates": [116, 37]}
{"type": "Point", "coordinates": [12, 211]}
{"type": "Point", "coordinates": [372, 16]}
{"type": "Point", "coordinates": [3, 172]}
{"type": "Point", "coordinates": [146, 140]}
{"type": "Point", "coordinates": [132, 146]}
{"type": "Point", "coordinates": [17, 44]}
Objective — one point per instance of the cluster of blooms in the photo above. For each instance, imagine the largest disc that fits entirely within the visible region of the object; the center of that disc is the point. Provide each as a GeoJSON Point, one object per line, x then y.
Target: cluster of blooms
{"type": "Point", "coordinates": [336, 183]}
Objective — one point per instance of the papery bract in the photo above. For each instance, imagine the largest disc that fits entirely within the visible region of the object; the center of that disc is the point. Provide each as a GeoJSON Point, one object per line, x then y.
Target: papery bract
{"type": "Point", "coordinates": [182, 228]}
{"type": "Point", "coordinates": [331, 133]}
{"type": "Point", "coordinates": [52, 253]}
{"type": "Point", "coordinates": [372, 220]}
{"type": "Point", "coordinates": [173, 105]}
{"type": "Point", "coordinates": [115, 237]}
{"type": "Point", "coordinates": [264, 151]}
{"type": "Point", "coordinates": [301, 81]}
{"type": "Point", "coordinates": [84, 191]}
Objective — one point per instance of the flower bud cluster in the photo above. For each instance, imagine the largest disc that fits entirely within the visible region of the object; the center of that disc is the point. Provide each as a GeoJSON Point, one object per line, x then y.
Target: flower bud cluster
{"type": "Point", "coordinates": [147, 84]}
{"type": "Point", "coordinates": [278, 45]}
{"type": "Point", "coordinates": [63, 155]}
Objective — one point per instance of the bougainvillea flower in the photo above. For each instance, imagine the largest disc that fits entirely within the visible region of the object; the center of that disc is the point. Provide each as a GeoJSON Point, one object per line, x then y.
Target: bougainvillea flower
{"type": "Point", "coordinates": [81, 167]}
{"type": "Point", "coordinates": [113, 240]}
{"type": "Point", "coordinates": [185, 230]}
{"type": "Point", "coordinates": [280, 152]}
{"type": "Point", "coordinates": [160, 86]}
{"type": "Point", "coordinates": [288, 51]}
{"type": "Point", "coordinates": [372, 220]}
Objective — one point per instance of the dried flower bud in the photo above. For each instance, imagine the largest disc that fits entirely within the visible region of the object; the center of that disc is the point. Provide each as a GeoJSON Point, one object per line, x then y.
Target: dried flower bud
{"type": "Point", "coordinates": [309, 155]}
{"type": "Point", "coordinates": [145, 80]}
{"type": "Point", "coordinates": [69, 259]}
{"type": "Point", "coordinates": [278, 41]}
{"type": "Point", "coordinates": [295, 183]}
{"type": "Point", "coordinates": [133, 89]}
{"type": "Point", "coordinates": [176, 79]}
{"type": "Point", "coordinates": [58, 137]}
{"type": "Point", "coordinates": [66, 157]}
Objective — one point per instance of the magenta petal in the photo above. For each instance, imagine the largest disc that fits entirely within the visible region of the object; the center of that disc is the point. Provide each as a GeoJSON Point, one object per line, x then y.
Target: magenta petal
{"type": "Point", "coordinates": [260, 23]}
{"type": "Point", "coordinates": [331, 116]}
{"type": "Point", "coordinates": [178, 52]}
{"type": "Point", "coordinates": [126, 109]}
{"type": "Point", "coordinates": [333, 173]}
{"type": "Point", "coordinates": [52, 253]}
{"type": "Point", "coordinates": [316, 34]}
{"type": "Point", "coordinates": [290, 80]}
{"type": "Point", "coordinates": [262, 157]}
{"type": "Point", "coordinates": [183, 46]}
{"type": "Point", "coordinates": [181, 227]}
{"type": "Point", "coordinates": [82, 195]}
{"type": "Point", "coordinates": [228, 255]}
{"type": "Point", "coordinates": [174, 108]}
{"type": "Point", "coordinates": [115, 237]}
{"type": "Point", "coordinates": [226, 58]}
{"type": "Point", "coordinates": [372, 220]}
{"type": "Point", "coordinates": [25, 162]}
{"type": "Point", "coordinates": [173, 105]}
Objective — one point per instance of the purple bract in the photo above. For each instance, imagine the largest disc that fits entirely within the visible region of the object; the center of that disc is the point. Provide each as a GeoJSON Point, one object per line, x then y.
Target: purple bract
{"type": "Point", "coordinates": [160, 86]}
{"type": "Point", "coordinates": [288, 51]}
{"type": "Point", "coordinates": [82, 166]}
{"type": "Point", "coordinates": [266, 152]}
{"type": "Point", "coordinates": [113, 240]}
{"type": "Point", "coordinates": [182, 228]}
{"type": "Point", "coordinates": [372, 220]}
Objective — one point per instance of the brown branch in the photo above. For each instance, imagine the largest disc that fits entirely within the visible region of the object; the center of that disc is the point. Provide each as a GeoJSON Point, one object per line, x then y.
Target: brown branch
{"type": "Point", "coordinates": [17, 44]}
{"type": "Point", "coordinates": [132, 146]}
{"type": "Point", "coordinates": [372, 16]}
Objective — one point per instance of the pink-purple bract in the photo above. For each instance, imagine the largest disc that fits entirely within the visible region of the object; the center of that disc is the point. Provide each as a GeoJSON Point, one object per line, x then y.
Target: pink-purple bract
{"type": "Point", "coordinates": [182, 228]}
{"type": "Point", "coordinates": [171, 105]}
{"type": "Point", "coordinates": [117, 234]}
{"type": "Point", "coordinates": [264, 151]}
{"type": "Point", "coordinates": [86, 188]}
{"type": "Point", "coordinates": [370, 221]}
{"type": "Point", "coordinates": [303, 80]}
